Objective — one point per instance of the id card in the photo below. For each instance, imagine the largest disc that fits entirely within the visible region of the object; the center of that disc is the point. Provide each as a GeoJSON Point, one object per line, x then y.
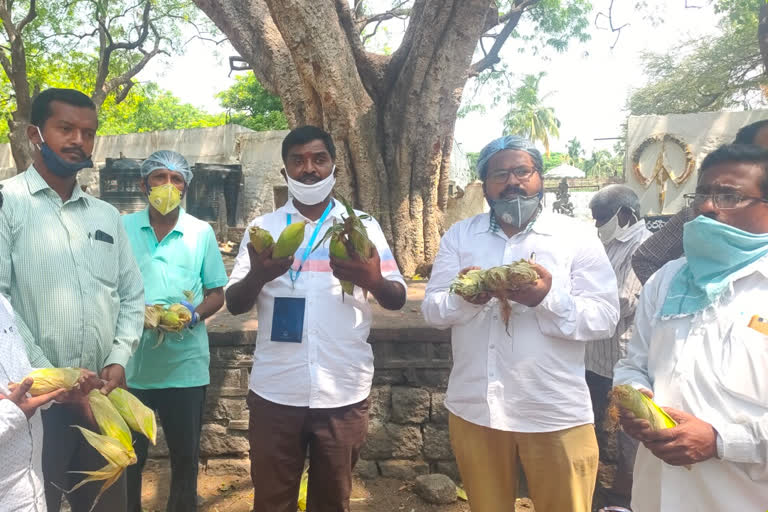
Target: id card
{"type": "Point", "coordinates": [288, 319]}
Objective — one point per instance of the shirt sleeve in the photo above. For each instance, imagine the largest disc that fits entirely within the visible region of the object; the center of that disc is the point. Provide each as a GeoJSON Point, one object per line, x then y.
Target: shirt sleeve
{"type": "Point", "coordinates": [34, 352]}
{"type": "Point", "coordinates": [441, 308]}
{"type": "Point", "coordinates": [130, 289]}
{"type": "Point", "coordinates": [242, 261]}
{"type": "Point", "coordinates": [214, 274]}
{"type": "Point", "coordinates": [389, 268]}
{"type": "Point", "coordinates": [746, 443]}
{"type": "Point", "coordinates": [12, 420]}
{"type": "Point", "coordinates": [633, 369]}
{"type": "Point", "coordinates": [662, 247]}
{"type": "Point", "coordinates": [588, 309]}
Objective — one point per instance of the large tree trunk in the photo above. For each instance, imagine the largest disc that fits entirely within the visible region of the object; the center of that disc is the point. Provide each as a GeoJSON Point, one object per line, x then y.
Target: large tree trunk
{"type": "Point", "coordinates": [391, 117]}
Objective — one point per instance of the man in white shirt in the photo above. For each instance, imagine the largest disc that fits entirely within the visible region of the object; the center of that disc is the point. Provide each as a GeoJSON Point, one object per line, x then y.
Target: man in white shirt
{"type": "Point", "coordinates": [312, 365]}
{"type": "Point", "coordinates": [516, 393]}
{"type": "Point", "coordinates": [700, 349]}
{"type": "Point", "coordinates": [615, 209]}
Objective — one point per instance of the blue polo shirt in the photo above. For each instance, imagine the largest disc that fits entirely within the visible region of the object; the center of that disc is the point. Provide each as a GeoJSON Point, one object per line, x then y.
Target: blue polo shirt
{"type": "Point", "coordinates": [188, 258]}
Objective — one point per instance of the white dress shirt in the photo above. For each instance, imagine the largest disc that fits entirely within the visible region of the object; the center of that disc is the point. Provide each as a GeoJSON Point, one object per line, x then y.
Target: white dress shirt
{"type": "Point", "coordinates": [333, 364]}
{"type": "Point", "coordinates": [714, 367]}
{"type": "Point", "coordinates": [532, 378]}
{"type": "Point", "coordinates": [603, 354]}
{"type": "Point", "coordinates": [21, 440]}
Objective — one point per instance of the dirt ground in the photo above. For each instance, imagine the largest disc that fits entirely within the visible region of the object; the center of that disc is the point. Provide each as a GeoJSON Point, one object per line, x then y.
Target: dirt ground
{"type": "Point", "coordinates": [228, 494]}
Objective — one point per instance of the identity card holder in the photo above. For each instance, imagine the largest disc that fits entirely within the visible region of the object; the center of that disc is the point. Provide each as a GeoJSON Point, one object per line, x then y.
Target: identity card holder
{"type": "Point", "coordinates": [288, 319]}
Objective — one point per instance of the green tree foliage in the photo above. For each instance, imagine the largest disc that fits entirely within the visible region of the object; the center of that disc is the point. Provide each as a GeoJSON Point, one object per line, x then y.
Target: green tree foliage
{"type": "Point", "coordinates": [150, 108]}
{"type": "Point", "coordinates": [250, 105]}
{"type": "Point", "coordinates": [528, 116]}
{"type": "Point", "coordinates": [706, 74]}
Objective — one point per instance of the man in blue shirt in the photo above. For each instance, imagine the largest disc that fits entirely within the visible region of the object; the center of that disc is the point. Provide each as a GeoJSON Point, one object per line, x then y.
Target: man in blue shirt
{"type": "Point", "coordinates": [176, 253]}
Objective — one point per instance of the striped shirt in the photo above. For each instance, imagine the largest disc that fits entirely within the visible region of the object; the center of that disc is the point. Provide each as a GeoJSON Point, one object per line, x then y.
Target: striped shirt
{"type": "Point", "coordinates": [333, 364]}
{"type": "Point", "coordinates": [70, 275]}
{"type": "Point", "coordinates": [602, 355]}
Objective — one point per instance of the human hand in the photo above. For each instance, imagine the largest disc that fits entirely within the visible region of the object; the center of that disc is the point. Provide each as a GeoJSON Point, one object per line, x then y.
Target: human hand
{"type": "Point", "coordinates": [114, 375]}
{"type": "Point", "coordinates": [691, 441]}
{"type": "Point", "coordinates": [481, 298]}
{"type": "Point", "coordinates": [635, 427]}
{"type": "Point", "coordinates": [532, 294]}
{"type": "Point", "coordinates": [365, 274]}
{"type": "Point", "coordinates": [264, 267]}
{"type": "Point", "coordinates": [195, 316]}
{"type": "Point", "coordinates": [30, 404]}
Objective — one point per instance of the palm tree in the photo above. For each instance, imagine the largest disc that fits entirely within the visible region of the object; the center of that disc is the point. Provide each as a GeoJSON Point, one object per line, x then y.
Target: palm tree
{"type": "Point", "coordinates": [601, 164]}
{"type": "Point", "coordinates": [527, 116]}
{"type": "Point", "coordinates": [575, 152]}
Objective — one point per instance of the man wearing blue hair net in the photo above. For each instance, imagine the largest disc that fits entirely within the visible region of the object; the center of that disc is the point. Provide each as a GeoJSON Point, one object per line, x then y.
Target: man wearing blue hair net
{"type": "Point", "coordinates": [517, 395]}
{"type": "Point", "coordinates": [180, 262]}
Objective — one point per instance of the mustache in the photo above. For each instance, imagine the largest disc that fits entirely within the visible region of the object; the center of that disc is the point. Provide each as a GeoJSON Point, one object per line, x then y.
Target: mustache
{"type": "Point", "coordinates": [513, 191]}
{"type": "Point", "coordinates": [309, 179]}
{"type": "Point", "coordinates": [78, 151]}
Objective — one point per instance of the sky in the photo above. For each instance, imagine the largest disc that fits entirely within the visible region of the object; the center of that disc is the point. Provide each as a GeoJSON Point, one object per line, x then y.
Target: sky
{"type": "Point", "coordinates": [589, 83]}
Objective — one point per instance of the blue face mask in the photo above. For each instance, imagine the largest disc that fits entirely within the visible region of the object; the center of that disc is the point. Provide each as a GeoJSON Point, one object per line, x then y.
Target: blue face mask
{"type": "Point", "coordinates": [57, 165]}
{"type": "Point", "coordinates": [516, 211]}
{"type": "Point", "coordinates": [714, 253]}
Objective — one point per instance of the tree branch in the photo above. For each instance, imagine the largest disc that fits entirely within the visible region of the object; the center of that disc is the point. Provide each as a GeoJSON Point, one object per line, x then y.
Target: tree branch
{"type": "Point", "coordinates": [609, 17]}
{"type": "Point", "coordinates": [398, 11]}
{"type": "Point", "coordinates": [125, 80]}
{"type": "Point", "coordinates": [512, 19]}
{"type": "Point", "coordinates": [31, 15]}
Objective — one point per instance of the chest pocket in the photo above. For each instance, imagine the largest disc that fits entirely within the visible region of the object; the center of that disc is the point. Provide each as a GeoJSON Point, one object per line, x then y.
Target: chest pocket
{"type": "Point", "coordinates": [744, 364]}
{"type": "Point", "coordinates": [102, 257]}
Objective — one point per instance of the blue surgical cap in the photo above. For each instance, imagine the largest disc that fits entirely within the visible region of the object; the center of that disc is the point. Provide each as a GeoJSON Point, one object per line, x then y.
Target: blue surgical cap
{"type": "Point", "coordinates": [508, 142]}
{"type": "Point", "coordinates": [166, 159]}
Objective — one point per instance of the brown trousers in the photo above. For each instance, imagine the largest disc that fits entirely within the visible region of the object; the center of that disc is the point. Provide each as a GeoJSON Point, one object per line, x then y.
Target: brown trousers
{"type": "Point", "coordinates": [279, 436]}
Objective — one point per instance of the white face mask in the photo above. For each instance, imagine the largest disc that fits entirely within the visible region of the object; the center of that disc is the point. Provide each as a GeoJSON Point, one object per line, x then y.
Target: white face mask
{"type": "Point", "coordinates": [611, 229]}
{"type": "Point", "coordinates": [314, 193]}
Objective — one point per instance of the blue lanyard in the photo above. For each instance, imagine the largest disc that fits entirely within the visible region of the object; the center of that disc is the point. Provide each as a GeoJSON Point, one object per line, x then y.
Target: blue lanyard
{"type": "Point", "coordinates": [294, 274]}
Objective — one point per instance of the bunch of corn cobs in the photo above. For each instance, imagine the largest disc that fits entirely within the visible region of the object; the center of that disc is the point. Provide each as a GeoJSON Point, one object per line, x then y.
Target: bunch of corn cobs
{"type": "Point", "coordinates": [116, 415]}
{"type": "Point", "coordinates": [496, 282]}
{"type": "Point", "coordinates": [164, 319]}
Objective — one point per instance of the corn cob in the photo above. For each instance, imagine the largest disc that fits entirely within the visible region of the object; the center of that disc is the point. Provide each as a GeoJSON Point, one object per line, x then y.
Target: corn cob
{"type": "Point", "coordinates": [46, 380]}
{"type": "Point", "coordinates": [152, 313]}
{"type": "Point", "coordinates": [289, 240]}
{"type": "Point", "coordinates": [261, 239]}
{"type": "Point", "coordinates": [117, 457]}
{"type": "Point", "coordinates": [138, 416]}
{"type": "Point", "coordinates": [110, 422]}
{"type": "Point", "coordinates": [350, 235]}
{"type": "Point", "coordinates": [641, 406]}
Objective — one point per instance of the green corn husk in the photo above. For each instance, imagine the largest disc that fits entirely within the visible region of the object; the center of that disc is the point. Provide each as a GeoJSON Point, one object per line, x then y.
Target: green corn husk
{"type": "Point", "coordinates": [110, 422]}
{"type": "Point", "coordinates": [261, 239]}
{"type": "Point", "coordinates": [117, 457]}
{"type": "Point", "coordinates": [138, 416]}
{"type": "Point", "coordinates": [46, 380]}
{"type": "Point", "coordinates": [289, 241]}
{"type": "Point", "coordinates": [641, 406]}
{"type": "Point", "coordinates": [349, 235]}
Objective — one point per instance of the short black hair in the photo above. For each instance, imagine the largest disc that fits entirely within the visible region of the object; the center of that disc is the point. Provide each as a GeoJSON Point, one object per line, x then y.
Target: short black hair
{"type": "Point", "coordinates": [748, 133]}
{"type": "Point", "coordinates": [308, 133]}
{"type": "Point", "coordinates": [41, 105]}
{"type": "Point", "coordinates": [739, 153]}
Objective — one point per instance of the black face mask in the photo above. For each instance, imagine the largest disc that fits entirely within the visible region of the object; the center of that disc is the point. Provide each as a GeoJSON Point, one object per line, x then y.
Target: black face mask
{"type": "Point", "coordinates": [58, 165]}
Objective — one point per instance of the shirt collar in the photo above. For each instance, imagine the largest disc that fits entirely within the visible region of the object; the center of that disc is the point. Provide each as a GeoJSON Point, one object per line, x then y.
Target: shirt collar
{"type": "Point", "coordinates": [180, 223]}
{"type": "Point", "coordinates": [36, 183]}
{"type": "Point", "coordinates": [338, 211]}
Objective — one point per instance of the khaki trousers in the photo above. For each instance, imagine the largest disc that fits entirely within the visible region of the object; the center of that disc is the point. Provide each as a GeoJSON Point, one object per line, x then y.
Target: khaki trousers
{"type": "Point", "coordinates": [560, 467]}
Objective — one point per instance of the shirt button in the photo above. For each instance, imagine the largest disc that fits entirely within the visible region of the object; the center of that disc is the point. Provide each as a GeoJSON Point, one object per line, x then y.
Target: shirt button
{"type": "Point", "coordinates": [490, 374]}
{"type": "Point", "coordinates": [313, 331]}
{"type": "Point", "coordinates": [493, 346]}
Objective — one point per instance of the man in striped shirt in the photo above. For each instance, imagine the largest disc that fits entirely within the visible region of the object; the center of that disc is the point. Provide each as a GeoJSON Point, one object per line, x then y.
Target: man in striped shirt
{"type": "Point", "coordinates": [615, 209]}
{"type": "Point", "coordinates": [68, 270]}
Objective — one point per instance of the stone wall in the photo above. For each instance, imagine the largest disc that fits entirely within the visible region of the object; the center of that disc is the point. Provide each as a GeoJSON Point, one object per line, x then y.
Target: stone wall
{"type": "Point", "coordinates": [408, 430]}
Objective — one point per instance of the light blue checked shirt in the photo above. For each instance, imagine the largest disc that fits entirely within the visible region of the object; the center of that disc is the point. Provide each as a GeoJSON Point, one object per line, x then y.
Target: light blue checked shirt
{"type": "Point", "coordinates": [70, 275]}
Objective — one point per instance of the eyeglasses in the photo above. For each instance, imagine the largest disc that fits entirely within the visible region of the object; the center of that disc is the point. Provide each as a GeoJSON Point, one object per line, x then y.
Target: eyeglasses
{"type": "Point", "coordinates": [500, 176]}
{"type": "Point", "coordinates": [721, 200]}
